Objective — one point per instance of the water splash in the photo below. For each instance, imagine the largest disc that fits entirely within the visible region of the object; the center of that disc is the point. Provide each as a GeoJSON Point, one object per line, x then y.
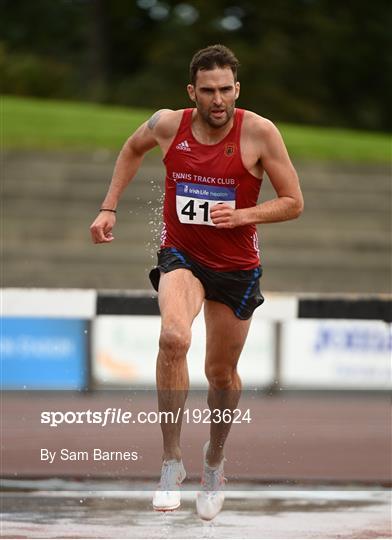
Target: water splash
{"type": "Point", "coordinates": [165, 524]}
{"type": "Point", "coordinates": [154, 208]}
{"type": "Point", "coordinates": [208, 530]}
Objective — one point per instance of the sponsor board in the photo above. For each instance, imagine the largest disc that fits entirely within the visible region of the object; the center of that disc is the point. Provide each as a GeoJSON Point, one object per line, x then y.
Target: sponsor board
{"type": "Point", "coordinates": [336, 354]}
{"type": "Point", "coordinates": [44, 353]}
{"type": "Point", "coordinates": [125, 350]}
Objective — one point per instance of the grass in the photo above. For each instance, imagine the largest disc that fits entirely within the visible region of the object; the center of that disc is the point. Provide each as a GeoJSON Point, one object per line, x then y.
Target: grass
{"type": "Point", "coordinates": [34, 124]}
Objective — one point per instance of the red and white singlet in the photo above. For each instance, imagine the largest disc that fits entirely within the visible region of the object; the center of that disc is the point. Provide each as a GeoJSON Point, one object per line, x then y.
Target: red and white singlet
{"type": "Point", "coordinates": [197, 177]}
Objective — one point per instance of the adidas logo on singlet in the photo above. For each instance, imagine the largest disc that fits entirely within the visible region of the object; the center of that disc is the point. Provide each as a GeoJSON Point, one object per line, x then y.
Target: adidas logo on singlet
{"type": "Point", "coordinates": [183, 145]}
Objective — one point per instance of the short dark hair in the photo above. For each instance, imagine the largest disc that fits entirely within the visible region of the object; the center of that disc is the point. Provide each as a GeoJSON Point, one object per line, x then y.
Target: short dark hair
{"type": "Point", "coordinates": [212, 57]}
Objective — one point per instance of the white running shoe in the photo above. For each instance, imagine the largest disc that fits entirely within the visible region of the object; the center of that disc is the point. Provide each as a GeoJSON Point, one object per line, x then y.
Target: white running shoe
{"type": "Point", "coordinates": [168, 497]}
{"type": "Point", "coordinates": [209, 501]}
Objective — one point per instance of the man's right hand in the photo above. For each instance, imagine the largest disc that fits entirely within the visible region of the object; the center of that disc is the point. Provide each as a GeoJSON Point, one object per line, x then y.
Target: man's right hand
{"type": "Point", "coordinates": [101, 228]}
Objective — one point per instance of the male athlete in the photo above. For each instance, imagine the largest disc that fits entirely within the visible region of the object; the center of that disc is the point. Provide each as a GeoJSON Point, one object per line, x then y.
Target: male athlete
{"type": "Point", "coordinates": [215, 156]}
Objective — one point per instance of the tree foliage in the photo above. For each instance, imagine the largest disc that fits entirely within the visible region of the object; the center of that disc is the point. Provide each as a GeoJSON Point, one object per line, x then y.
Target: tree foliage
{"type": "Point", "coordinates": [309, 61]}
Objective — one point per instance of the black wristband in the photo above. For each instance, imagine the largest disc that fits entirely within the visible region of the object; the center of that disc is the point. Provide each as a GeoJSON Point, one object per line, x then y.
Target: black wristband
{"type": "Point", "coordinates": [108, 210]}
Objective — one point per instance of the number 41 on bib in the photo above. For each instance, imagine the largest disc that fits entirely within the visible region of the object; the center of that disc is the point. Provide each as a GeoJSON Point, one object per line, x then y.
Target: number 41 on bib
{"type": "Point", "coordinates": [193, 202]}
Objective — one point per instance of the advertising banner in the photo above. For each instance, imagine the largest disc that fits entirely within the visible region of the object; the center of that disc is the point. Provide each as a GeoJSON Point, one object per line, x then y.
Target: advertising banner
{"type": "Point", "coordinates": [42, 353]}
{"type": "Point", "coordinates": [125, 350]}
{"type": "Point", "coordinates": [336, 354]}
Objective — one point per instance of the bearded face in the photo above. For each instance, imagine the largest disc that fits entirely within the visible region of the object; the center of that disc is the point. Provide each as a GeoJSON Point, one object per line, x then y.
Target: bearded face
{"type": "Point", "coordinates": [214, 94]}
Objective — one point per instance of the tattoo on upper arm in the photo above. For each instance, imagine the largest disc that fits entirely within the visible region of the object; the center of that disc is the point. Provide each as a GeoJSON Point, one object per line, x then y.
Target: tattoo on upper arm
{"type": "Point", "coordinates": [153, 120]}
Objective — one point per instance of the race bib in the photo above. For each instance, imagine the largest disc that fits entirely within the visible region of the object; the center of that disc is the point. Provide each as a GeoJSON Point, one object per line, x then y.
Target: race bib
{"type": "Point", "coordinates": [194, 202]}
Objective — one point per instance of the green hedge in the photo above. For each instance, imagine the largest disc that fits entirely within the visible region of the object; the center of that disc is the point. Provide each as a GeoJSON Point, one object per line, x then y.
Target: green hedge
{"type": "Point", "coordinates": [34, 124]}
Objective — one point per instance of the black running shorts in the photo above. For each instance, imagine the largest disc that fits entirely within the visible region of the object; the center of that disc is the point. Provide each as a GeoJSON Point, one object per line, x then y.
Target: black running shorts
{"type": "Point", "coordinates": [238, 289]}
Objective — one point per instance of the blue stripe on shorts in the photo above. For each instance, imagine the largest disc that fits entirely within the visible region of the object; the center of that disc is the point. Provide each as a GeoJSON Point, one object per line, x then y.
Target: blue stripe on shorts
{"type": "Point", "coordinates": [256, 275]}
{"type": "Point", "coordinates": [179, 256]}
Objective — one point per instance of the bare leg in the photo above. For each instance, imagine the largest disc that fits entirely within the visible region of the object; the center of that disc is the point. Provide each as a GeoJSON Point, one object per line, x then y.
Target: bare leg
{"type": "Point", "coordinates": [226, 335]}
{"type": "Point", "coordinates": [180, 299]}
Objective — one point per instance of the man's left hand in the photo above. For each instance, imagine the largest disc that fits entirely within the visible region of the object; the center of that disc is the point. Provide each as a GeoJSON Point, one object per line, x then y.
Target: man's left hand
{"type": "Point", "coordinates": [223, 216]}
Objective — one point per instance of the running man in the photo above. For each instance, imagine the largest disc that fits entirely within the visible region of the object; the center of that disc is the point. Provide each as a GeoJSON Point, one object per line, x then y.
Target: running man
{"type": "Point", "coordinates": [215, 156]}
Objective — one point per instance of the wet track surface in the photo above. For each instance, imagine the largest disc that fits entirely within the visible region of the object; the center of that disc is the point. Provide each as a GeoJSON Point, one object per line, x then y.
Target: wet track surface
{"type": "Point", "coordinates": [272, 512]}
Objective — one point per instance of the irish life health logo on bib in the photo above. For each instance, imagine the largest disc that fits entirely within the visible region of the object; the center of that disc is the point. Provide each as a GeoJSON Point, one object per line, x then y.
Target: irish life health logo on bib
{"type": "Point", "coordinates": [194, 201]}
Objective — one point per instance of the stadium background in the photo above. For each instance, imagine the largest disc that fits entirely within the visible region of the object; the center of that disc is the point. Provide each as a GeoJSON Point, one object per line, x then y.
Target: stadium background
{"type": "Point", "coordinates": [77, 77]}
